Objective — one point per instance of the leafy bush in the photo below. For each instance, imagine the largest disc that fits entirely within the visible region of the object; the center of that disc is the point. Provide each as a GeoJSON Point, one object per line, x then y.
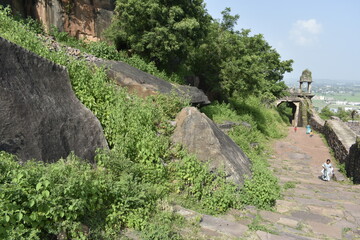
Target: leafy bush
{"type": "Point", "coordinates": [212, 193]}
{"type": "Point", "coordinates": [267, 119]}
{"type": "Point", "coordinates": [257, 125]}
{"type": "Point", "coordinates": [40, 200]}
{"type": "Point", "coordinates": [104, 50]}
{"type": "Point", "coordinates": [290, 184]}
{"type": "Point", "coordinates": [326, 113]}
{"type": "Point", "coordinates": [345, 116]}
{"type": "Point", "coordinates": [221, 112]}
{"type": "Point", "coordinates": [65, 38]}
{"type": "Point", "coordinates": [285, 112]}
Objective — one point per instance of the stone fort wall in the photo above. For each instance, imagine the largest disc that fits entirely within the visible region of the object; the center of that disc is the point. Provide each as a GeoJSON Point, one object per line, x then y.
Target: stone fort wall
{"type": "Point", "coordinates": [342, 140]}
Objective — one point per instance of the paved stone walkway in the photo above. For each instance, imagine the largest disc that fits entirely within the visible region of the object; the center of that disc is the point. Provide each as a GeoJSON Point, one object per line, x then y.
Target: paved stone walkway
{"type": "Point", "coordinates": [311, 208]}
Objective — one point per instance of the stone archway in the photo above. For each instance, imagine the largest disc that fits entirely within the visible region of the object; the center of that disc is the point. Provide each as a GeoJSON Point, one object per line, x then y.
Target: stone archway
{"type": "Point", "coordinates": [295, 106]}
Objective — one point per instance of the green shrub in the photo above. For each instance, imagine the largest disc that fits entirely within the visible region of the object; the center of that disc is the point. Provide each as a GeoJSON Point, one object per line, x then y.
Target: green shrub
{"type": "Point", "coordinates": [104, 50]}
{"type": "Point", "coordinates": [289, 184]}
{"type": "Point", "coordinates": [221, 112]}
{"type": "Point", "coordinates": [263, 189]}
{"type": "Point", "coordinates": [211, 192]}
{"type": "Point", "coordinates": [257, 125]}
{"type": "Point", "coordinates": [163, 225]}
{"type": "Point", "coordinates": [285, 112]}
{"type": "Point", "coordinates": [267, 119]}
{"type": "Point", "coordinates": [65, 38]}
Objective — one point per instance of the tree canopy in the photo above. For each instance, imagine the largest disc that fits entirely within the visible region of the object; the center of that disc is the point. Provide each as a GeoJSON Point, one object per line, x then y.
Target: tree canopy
{"type": "Point", "coordinates": [181, 36]}
{"type": "Point", "coordinates": [162, 31]}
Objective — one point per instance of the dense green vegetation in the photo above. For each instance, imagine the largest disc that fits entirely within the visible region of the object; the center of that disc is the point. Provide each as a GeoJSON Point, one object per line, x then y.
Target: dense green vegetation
{"type": "Point", "coordinates": [130, 184]}
{"type": "Point", "coordinates": [257, 125]}
{"type": "Point", "coordinates": [345, 116]}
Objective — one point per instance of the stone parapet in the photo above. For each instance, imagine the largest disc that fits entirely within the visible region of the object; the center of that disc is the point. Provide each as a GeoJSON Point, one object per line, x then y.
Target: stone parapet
{"type": "Point", "coordinates": [316, 122]}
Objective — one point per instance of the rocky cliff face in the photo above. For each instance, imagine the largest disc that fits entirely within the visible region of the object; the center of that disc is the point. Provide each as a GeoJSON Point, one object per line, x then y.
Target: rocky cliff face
{"type": "Point", "coordinates": [81, 18]}
{"type": "Point", "coordinates": [40, 116]}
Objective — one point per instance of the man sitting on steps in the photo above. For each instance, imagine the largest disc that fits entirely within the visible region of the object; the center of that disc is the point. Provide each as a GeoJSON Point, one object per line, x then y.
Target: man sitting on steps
{"type": "Point", "coordinates": [327, 171]}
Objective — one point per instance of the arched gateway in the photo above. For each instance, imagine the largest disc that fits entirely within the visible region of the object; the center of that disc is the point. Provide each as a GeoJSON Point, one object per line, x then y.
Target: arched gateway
{"type": "Point", "coordinates": [298, 100]}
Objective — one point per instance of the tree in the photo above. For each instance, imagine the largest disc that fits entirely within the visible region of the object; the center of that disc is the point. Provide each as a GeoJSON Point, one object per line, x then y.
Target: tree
{"type": "Point", "coordinates": [254, 68]}
{"type": "Point", "coordinates": [162, 31]}
{"type": "Point", "coordinates": [181, 33]}
{"type": "Point", "coordinates": [353, 114]}
{"type": "Point", "coordinates": [228, 22]}
{"type": "Point", "coordinates": [232, 62]}
{"type": "Point", "coordinates": [326, 113]}
{"type": "Point", "coordinates": [342, 114]}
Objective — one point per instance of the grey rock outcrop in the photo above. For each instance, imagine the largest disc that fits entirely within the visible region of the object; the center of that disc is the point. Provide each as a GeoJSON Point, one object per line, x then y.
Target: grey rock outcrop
{"type": "Point", "coordinates": [201, 136]}
{"type": "Point", "coordinates": [40, 116]}
{"type": "Point", "coordinates": [145, 84]}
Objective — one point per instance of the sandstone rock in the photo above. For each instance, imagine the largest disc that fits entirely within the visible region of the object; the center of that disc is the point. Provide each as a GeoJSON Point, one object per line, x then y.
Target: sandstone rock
{"type": "Point", "coordinates": [144, 84]}
{"type": "Point", "coordinates": [40, 116]}
{"type": "Point", "coordinates": [82, 18]}
{"type": "Point", "coordinates": [202, 137]}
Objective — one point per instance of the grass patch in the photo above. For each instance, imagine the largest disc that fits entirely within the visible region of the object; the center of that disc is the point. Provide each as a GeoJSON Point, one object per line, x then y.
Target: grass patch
{"type": "Point", "coordinates": [288, 185]}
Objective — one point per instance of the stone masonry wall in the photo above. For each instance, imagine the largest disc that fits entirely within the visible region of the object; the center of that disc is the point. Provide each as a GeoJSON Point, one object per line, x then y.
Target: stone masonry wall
{"type": "Point", "coordinates": [316, 123]}
{"type": "Point", "coordinates": [341, 150]}
{"type": "Point", "coordinates": [353, 162]}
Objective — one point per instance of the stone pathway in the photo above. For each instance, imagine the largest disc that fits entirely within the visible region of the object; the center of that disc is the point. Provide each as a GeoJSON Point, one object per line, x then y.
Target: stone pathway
{"type": "Point", "coordinates": [311, 208]}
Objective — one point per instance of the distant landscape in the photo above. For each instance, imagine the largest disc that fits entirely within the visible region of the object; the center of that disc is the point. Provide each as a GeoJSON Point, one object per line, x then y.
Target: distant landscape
{"type": "Point", "coordinates": [334, 93]}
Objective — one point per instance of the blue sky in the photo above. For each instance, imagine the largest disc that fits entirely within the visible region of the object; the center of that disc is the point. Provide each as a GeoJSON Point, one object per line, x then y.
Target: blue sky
{"type": "Point", "coordinates": [321, 35]}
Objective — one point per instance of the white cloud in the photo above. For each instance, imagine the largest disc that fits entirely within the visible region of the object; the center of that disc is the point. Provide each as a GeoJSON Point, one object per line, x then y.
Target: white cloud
{"type": "Point", "coordinates": [305, 32]}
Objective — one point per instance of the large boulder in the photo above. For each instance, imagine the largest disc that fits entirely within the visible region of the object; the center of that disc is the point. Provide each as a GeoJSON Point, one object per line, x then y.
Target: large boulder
{"type": "Point", "coordinates": [145, 84]}
{"type": "Point", "coordinates": [40, 116]}
{"type": "Point", "coordinates": [201, 136]}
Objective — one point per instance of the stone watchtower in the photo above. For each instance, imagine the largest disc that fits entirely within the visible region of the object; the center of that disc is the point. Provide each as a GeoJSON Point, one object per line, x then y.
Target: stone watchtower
{"type": "Point", "coordinates": [305, 77]}
{"type": "Point", "coordinates": [299, 101]}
